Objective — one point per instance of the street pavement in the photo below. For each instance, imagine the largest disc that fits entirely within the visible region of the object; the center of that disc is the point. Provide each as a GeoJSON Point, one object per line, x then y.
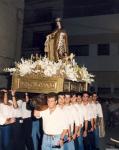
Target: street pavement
{"type": "Point", "coordinates": [112, 132]}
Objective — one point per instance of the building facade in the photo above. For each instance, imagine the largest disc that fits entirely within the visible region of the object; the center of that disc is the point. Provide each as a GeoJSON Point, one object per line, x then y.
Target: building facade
{"type": "Point", "coordinates": [93, 31]}
{"type": "Point", "coordinates": [11, 28]}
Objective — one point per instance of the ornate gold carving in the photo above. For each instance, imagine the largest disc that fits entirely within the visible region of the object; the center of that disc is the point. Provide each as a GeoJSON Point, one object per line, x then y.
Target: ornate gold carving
{"type": "Point", "coordinates": [39, 84]}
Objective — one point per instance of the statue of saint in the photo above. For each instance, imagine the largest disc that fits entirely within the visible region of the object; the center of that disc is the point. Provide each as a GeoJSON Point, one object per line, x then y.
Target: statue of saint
{"type": "Point", "coordinates": [56, 44]}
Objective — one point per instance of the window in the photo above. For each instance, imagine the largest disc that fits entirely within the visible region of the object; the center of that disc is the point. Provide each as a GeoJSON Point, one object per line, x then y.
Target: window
{"type": "Point", "coordinates": [103, 49]}
{"type": "Point", "coordinates": [39, 40]}
{"type": "Point", "coordinates": [32, 16]}
{"type": "Point", "coordinates": [116, 91]}
{"type": "Point", "coordinates": [79, 50]}
{"type": "Point", "coordinates": [102, 90]}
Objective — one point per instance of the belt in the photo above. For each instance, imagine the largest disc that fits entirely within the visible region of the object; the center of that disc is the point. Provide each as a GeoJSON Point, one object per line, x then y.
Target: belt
{"type": "Point", "coordinates": [51, 135]}
{"type": "Point", "coordinates": [28, 118]}
{"type": "Point", "coordinates": [19, 120]}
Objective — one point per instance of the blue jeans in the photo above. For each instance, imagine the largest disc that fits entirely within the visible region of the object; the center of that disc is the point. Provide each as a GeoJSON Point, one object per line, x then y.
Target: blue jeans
{"type": "Point", "coordinates": [49, 141]}
{"type": "Point", "coordinates": [36, 133]}
{"type": "Point", "coordinates": [6, 137]}
{"type": "Point", "coordinates": [69, 145]}
{"type": "Point", "coordinates": [80, 142]}
{"type": "Point", "coordinates": [0, 140]}
{"type": "Point", "coordinates": [96, 134]}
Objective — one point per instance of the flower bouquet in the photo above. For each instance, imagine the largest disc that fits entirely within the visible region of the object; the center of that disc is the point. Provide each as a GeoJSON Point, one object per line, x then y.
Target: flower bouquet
{"type": "Point", "coordinates": [43, 74]}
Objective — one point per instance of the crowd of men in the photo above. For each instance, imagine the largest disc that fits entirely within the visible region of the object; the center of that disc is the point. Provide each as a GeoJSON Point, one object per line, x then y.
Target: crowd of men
{"type": "Point", "coordinates": [70, 121]}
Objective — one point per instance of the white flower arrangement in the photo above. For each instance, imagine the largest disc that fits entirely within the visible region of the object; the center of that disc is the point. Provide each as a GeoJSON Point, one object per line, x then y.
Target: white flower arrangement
{"type": "Point", "coordinates": [67, 68]}
{"type": "Point", "coordinates": [86, 76]}
{"type": "Point", "coordinates": [71, 72]}
{"type": "Point", "coordinates": [49, 68]}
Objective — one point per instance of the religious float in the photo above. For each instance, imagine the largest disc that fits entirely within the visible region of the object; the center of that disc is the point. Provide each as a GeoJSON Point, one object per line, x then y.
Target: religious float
{"type": "Point", "coordinates": [56, 71]}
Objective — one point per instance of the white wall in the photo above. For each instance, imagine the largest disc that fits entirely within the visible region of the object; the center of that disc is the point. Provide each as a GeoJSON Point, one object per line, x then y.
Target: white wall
{"type": "Point", "coordinates": [94, 30]}
{"type": "Point", "coordinates": [101, 63]}
{"type": "Point", "coordinates": [93, 24]}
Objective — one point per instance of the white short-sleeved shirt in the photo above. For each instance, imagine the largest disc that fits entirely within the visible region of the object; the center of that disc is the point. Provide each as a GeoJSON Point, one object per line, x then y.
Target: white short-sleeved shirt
{"type": "Point", "coordinates": [53, 122]}
{"type": "Point", "coordinates": [17, 111]}
{"type": "Point", "coordinates": [94, 109]}
{"type": "Point", "coordinates": [73, 116]}
{"type": "Point", "coordinates": [6, 112]}
{"type": "Point", "coordinates": [2, 119]}
{"type": "Point", "coordinates": [85, 112]}
{"type": "Point", "coordinates": [66, 114]}
{"type": "Point", "coordinates": [80, 114]}
{"type": "Point", "coordinates": [25, 112]}
{"type": "Point", "coordinates": [99, 110]}
{"type": "Point", "coordinates": [88, 111]}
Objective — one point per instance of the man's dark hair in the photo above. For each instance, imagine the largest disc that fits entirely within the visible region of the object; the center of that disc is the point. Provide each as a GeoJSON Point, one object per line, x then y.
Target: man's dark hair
{"type": "Point", "coordinates": [73, 93]}
{"type": "Point", "coordinates": [67, 93]}
{"type": "Point", "coordinates": [85, 92]}
{"type": "Point", "coordinates": [1, 96]}
{"type": "Point", "coordinates": [61, 94]}
{"type": "Point", "coordinates": [52, 95]}
{"type": "Point", "coordinates": [41, 98]}
{"type": "Point", "coordinates": [79, 93]}
{"type": "Point", "coordinates": [38, 101]}
{"type": "Point", "coordinates": [94, 93]}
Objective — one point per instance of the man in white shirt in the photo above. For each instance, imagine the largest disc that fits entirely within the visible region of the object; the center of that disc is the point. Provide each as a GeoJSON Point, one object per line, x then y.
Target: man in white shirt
{"type": "Point", "coordinates": [61, 104]}
{"type": "Point", "coordinates": [74, 119]}
{"type": "Point", "coordinates": [99, 118]}
{"type": "Point", "coordinates": [80, 114]}
{"type": "Point", "coordinates": [6, 121]}
{"type": "Point", "coordinates": [88, 134]}
{"type": "Point", "coordinates": [18, 132]}
{"type": "Point", "coordinates": [54, 124]}
{"type": "Point", "coordinates": [27, 124]}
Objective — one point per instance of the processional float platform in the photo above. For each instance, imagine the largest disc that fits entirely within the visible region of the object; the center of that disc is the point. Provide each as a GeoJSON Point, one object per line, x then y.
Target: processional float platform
{"type": "Point", "coordinates": [35, 83]}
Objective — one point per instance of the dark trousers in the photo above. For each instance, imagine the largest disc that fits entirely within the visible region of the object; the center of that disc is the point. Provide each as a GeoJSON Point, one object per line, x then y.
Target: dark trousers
{"type": "Point", "coordinates": [18, 135]}
{"type": "Point", "coordinates": [6, 137]}
{"type": "Point", "coordinates": [89, 140]}
{"type": "Point", "coordinates": [27, 125]}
